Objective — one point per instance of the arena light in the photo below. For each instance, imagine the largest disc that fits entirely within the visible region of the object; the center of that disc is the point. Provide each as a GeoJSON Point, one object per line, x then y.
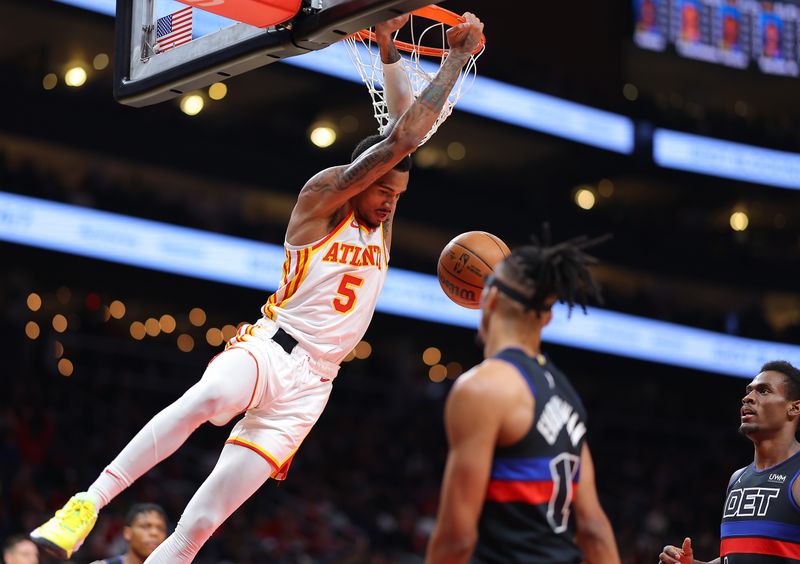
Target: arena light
{"type": "Point", "coordinates": [65, 367]}
{"type": "Point", "coordinates": [49, 81]}
{"type": "Point", "coordinates": [241, 262]}
{"type": "Point", "coordinates": [117, 309]}
{"type": "Point", "coordinates": [229, 331]}
{"type": "Point", "coordinates": [739, 221]}
{"type": "Point", "coordinates": [34, 301]}
{"type": "Point", "coordinates": [214, 337]}
{"type": "Point", "coordinates": [363, 350]}
{"type": "Point", "coordinates": [605, 187]}
{"type": "Point", "coordinates": [167, 323]}
{"type": "Point", "coordinates": [60, 323]}
{"type": "Point", "coordinates": [322, 135]}
{"type": "Point", "coordinates": [431, 356]}
{"type": "Point", "coordinates": [197, 317]}
{"type": "Point", "coordinates": [75, 77]}
{"type": "Point", "coordinates": [32, 330]}
{"type": "Point", "coordinates": [185, 342]}
{"type": "Point", "coordinates": [630, 92]}
{"type": "Point", "coordinates": [138, 330]}
{"type": "Point", "coordinates": [454, 370]}
{"type": "Point", "coordinates": [192, 105]}
{"type": "Point", "coordinates": [217, 91]}
{"type": "Point", "coordinates": [456, 151]}
{"type": "Point", "coordinates": [584, 198]}
{"type": "Point", "coordinates": [152, 327]}
{"type": "Point", "coordinates": [437, 373]}
{"type": "Point", "coordinates": [100, 61]}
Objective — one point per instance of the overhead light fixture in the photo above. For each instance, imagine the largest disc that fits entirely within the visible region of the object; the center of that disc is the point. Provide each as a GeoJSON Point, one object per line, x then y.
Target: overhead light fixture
{"type": "Point", "coordinates": [217, 91]}
{"type": "Point", "coordinates": [584, 198]}
{"type": "Point", "coordinates": [630, 92]}
{"type": "Point", "coordinates": [75, 77]}
{"type": "Point", "coordinates": [49, 81]}
{"type": "Point", "coordinates": [456, 151]}
{"type": "Point", "coordinates": [322, 135]}
{"type": "Point", "coordinates": [739, 221]}
{"type": "Point", "coordinates": [192, 105]}
{"type": "Point", "coordinates": [100, 61]}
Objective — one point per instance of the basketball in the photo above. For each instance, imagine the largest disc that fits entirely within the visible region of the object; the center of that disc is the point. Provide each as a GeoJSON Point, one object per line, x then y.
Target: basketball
{"type": "Point", "coordinates": [465, 263]}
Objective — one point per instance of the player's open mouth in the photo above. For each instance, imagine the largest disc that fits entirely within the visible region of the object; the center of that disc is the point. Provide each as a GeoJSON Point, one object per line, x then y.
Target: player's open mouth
{"type": "Point", "coordinates": [747, 413]}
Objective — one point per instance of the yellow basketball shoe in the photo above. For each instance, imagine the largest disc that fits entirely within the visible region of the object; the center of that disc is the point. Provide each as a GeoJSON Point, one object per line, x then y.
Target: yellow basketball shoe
{"type": "Point", "coordinates": [65, 532]}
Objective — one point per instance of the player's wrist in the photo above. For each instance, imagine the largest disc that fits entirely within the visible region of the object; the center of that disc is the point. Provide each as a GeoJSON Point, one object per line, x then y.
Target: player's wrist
{"type": "Point", "coordinates": [383, 36]}
{"type": "Point", "coordinates": [458, 56]}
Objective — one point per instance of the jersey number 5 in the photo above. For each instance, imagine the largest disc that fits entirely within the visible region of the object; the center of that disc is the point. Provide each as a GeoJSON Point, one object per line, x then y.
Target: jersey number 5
{"type": "Point", "coordinates": [346, 300]}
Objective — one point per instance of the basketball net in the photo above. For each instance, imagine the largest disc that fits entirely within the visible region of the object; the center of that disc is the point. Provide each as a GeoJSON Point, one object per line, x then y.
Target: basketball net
{"type": "Point", "coordinates": [421, 65]}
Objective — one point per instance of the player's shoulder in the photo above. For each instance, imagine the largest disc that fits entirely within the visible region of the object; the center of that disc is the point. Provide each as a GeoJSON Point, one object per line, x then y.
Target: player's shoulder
{"type": "Point", "coordinates": [491, 380]}
{"type": "Point", "coordinates": [736, 475]}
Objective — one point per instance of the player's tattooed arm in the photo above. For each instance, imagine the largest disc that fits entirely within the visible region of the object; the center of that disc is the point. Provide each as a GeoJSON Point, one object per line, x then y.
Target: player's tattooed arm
{"type": "Point", "coordinates": [324, 195]}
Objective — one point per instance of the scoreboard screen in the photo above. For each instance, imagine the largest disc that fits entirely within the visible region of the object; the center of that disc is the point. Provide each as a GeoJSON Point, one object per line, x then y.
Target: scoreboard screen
{"type": "Point", "coordinates": [735, 33]}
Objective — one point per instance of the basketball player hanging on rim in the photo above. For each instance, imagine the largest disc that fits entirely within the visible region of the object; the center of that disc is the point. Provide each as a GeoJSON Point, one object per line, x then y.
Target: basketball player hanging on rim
{"type": "Point", "coordinates": [519, 464]}
{"type": "Point", "coordinates": [280, 370]}
{"type": "Point", "coordinates": [761, 515]}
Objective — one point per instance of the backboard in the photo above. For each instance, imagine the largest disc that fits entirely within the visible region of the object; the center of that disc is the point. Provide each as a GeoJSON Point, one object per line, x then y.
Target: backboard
{"type": "Point", "coordinates": [165, 48]}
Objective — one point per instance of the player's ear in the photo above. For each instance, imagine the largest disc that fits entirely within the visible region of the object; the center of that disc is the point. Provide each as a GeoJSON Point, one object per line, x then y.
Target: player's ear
{"type": "Point", "coordinates": [127, 533]}
{"type": "Point", "coordinates": [490, 300]}
{"type": "Point", "coordinates": [794, 408]}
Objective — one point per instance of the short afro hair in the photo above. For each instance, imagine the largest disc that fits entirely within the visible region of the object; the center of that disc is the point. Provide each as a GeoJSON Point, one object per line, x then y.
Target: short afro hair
{"type": "Point", "coordinates": [403, 166]}
{"type": "Point", "coordinates": [140, 508]}
{"type": "Point", "coordinates": [791, 374]}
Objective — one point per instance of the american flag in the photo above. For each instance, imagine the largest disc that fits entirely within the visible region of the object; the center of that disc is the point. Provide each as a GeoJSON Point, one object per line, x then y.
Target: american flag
{"type": "Point", "coordinates": [174, 29]}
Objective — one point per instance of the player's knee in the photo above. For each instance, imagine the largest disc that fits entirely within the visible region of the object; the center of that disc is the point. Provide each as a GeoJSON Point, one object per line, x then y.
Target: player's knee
{"type": "Point", "coordinates": [205, 401]}
{"type": "Point", "coordinates": [223, 418]}
{"type": "Point", "coordinates": [198, 528]}
{"type": "Point", "coordinates": [216, 400]}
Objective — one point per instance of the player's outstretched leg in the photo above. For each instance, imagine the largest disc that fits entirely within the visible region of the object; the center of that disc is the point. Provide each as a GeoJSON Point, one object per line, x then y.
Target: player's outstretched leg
{"type": "Point", "coordinates": [238, 474]}
{"type": "Point", "coordinates": [225, 390]}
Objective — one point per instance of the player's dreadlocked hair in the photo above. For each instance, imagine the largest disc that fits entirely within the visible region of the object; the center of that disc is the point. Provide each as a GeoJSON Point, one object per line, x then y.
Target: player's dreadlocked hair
{"type": "Point", "coordinates": [559, 270]}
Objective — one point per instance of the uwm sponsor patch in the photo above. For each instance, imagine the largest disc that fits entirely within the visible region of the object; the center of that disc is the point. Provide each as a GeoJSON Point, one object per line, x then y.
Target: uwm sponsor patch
{"type": "Point", "coordinates": [749, 502]}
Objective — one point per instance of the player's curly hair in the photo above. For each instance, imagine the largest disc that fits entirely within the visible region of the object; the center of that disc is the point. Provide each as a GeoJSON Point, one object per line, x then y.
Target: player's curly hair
{"type": "Point", "coordinates": [560, 270]}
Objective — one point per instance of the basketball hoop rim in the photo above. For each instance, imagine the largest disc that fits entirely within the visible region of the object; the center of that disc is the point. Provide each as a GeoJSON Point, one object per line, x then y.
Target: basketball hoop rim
{"type": "Point", "coordinates": [432, 12]}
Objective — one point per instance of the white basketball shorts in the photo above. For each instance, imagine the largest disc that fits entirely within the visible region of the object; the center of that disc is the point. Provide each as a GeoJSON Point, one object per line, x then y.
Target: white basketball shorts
{"type": "Point", "coordinates": [290, 393]}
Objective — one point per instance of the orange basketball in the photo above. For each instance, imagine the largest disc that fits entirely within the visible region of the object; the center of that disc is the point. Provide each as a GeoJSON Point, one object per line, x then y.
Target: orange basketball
{"type": "Point", "coordinates": [464, 264]}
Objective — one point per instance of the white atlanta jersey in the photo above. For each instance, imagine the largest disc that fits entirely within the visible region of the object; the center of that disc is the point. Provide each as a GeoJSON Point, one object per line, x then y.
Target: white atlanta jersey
{"type": "Point", "coordinates": [329, 289]}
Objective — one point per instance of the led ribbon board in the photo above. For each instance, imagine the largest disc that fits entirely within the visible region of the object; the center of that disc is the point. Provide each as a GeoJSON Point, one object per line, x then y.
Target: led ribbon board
{"type": "Point", "coordinates": [694, 153]}
{"type": "Point", "coordinates": [241, 262]}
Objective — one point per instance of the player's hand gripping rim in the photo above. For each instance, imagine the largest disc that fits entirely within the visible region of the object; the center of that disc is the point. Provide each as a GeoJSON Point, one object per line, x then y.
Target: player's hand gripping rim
{"type": "Point", "coordinates": [465, 38]}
